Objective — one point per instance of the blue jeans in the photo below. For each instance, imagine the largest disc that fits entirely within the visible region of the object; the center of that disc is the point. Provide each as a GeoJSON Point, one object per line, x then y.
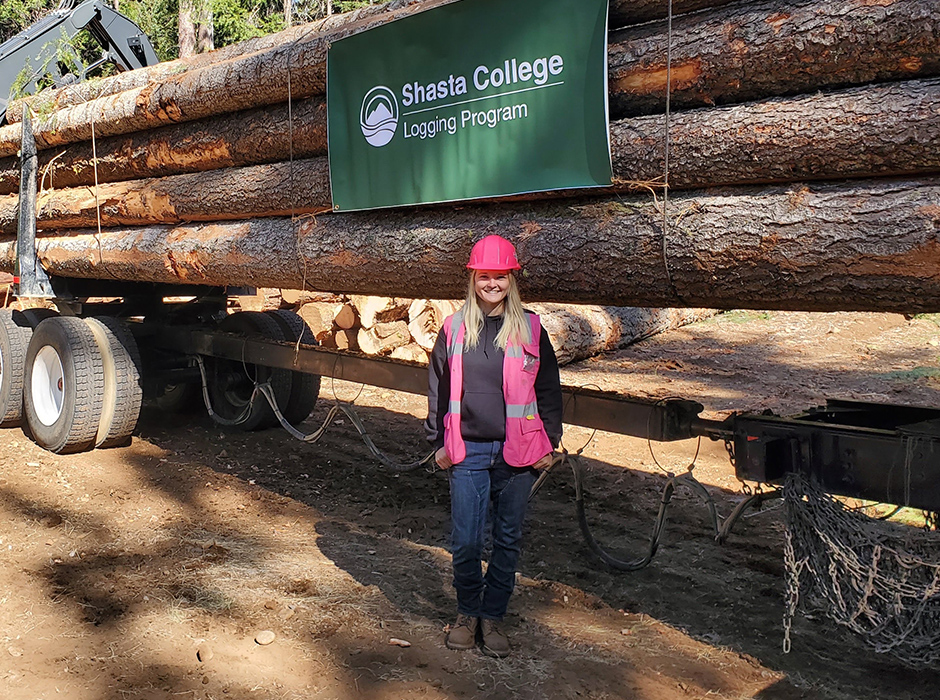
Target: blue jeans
{"type": "Point", "coordinates": [481, 480]}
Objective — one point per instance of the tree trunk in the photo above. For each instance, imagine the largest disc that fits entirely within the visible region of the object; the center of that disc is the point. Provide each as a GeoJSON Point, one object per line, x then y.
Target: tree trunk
{"type": "Point", "coordinates": [873, 131]}
{"type": "Point", "coordinates": [186, 29]}
{"type": "Point", "coordinates": [833, 48]}
{"type": "Point", "coordinates": [234, 193]}
{"type": "Point", "coordinates": [579, 331]}
{"type": "Point", "coordinates": [268, 134]}
{"type": "Point", "coordinates": [861, 246]}
{"type": "Point", "coordinates": [205, 28]}
{"type": "Point", "coordinates": [749, 51]}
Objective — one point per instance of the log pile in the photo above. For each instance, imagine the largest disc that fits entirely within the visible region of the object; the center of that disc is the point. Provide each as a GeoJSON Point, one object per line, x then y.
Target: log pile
{"type": "Point", "coordinates": [406, 329]}
{"type": "Point", "coordinates": [804, 171]}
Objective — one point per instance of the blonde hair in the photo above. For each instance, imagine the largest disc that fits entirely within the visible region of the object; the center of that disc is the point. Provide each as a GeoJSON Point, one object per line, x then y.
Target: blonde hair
{"type": "Point", "coordinates": [515, 324]}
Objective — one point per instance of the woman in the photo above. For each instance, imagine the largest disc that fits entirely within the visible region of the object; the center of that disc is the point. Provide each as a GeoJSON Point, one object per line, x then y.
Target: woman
{"type": "Point", "coordinates": [494, 414]}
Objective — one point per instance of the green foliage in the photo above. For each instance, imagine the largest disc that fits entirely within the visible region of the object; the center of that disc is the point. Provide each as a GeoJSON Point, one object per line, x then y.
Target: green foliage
{"type": "Point", "coordinates": [16, 15]}
{"type": "Point", "coordinates": [233, 20]}
{"type": "Point", "coordinates": [237, 20]}
{"type": "Point", "coordinates": [157, 19]}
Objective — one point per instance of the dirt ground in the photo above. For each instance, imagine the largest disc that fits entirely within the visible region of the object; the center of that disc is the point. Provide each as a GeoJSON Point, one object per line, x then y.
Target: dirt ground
{"type": "Point", "coordinates": [150, 571]}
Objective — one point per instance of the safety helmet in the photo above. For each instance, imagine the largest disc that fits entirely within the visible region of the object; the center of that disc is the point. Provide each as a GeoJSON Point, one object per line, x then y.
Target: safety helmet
{"type": "Point", "coordinates": [493, 253]}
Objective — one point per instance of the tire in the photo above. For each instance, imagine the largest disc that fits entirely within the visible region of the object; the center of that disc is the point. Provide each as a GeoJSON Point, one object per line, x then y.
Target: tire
{"type": "Point", "coordinates": [123, 391]}
{"type": "Point", "coordinates": [64, 385]}
{"type": "Point", "coordinates": [15, 332]}
{"type": "Point", "coordinates": [305, 387]}
{"type": "Point", "coordinates": [231, 382]}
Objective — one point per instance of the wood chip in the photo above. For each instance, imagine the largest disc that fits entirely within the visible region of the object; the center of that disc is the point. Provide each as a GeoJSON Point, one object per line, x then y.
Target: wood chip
{"type": "Point", "coordinates": [399, 642]}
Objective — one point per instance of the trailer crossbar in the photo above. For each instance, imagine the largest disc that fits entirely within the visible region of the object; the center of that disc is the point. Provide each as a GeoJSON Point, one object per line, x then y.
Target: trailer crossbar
{"type": "Point", "coordinates": [660, 420]}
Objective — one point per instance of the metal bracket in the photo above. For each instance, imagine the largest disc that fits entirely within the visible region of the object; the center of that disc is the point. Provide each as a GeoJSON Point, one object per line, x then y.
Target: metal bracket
{"type": "Point", "coordinates": [30, 278]}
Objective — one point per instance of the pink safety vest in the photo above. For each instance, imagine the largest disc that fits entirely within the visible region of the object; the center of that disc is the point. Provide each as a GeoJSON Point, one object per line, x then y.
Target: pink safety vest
{"type": "Point", "coordinates": [526, 439]}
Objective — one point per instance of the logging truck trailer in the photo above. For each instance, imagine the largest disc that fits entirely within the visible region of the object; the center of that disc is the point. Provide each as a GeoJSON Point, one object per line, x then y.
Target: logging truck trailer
{"type": "Point", "coordinates": [75, 376]}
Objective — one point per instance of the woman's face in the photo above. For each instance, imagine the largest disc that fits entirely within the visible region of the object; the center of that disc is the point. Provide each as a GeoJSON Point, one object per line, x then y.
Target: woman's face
{"type": "Point", "coordinates": [491, 287]}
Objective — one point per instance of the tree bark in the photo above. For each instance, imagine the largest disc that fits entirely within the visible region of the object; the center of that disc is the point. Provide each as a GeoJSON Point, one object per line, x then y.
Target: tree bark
{"type": "Point", "coordinates": [862, 132]}
{"type": "Point", "coordinates": [268, 134]}
{"type": "Point", "coordinates": [234, 193]}
{"type": "Point", "coordinates": [861, 246]}
{"type": "Point", "coordinates": [728, 55]}
{"type": "Point", "coordinates": [186, 29]}
{"type": "Point", "coordinates": [205, 28]}
{"type": "Point", "coordinates": [749, 51]}
{"type": "Point", "coordinates": [871, 131]}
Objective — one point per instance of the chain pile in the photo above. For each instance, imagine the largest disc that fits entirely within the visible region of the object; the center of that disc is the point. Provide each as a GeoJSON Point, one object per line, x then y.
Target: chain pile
{"type": "Point", "coordinates": [879, 579]}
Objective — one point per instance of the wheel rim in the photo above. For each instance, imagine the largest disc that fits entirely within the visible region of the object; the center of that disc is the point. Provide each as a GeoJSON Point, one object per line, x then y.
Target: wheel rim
{"type": "Point", "coordinates": [48, 390]}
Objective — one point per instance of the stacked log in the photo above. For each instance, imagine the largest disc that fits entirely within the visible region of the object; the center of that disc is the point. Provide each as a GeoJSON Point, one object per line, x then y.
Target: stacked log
{"type": "Point", "coordinates": [407, 329]}
{"type": "Point", "coordinates": [804, 153]}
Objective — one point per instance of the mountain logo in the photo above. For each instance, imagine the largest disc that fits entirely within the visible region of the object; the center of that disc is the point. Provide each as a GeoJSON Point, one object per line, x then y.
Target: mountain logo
{"type": "Point", "coordinates": [378, 117]}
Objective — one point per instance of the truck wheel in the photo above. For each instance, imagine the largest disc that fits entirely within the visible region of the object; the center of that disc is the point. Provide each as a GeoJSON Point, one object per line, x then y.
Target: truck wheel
{"type": "Point", "coordinates": [231, 382]}
{"type": "Point", "coordinates": [305, 388]}
{"type": "Point", "coordinates": [122, 387]}
{"type": "Point", "coordinates": [64, 385]}
{"type": "Point", "coordinates": [15, 332]}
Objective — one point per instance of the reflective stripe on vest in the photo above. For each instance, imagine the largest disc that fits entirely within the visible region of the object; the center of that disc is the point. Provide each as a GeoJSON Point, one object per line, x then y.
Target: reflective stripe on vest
{"type": "Point", "coordinates": [526, 440]}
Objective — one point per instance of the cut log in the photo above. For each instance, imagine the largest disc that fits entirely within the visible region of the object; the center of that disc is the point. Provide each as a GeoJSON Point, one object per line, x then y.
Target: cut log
{"type": "Point", "coordinates": [264, 135]}
{"type": "Point", "coordinates": [857, 246]}
{"type": "Point", "coordinates": [880, 130]}
{"type": "Point", "coordinates": [410, 353]}
{"type": "Point", "coordinates": [373, 310]}
{"type": "Point", "coordinates": [87, 90]}
{"type": "Point", "coordinates": [345, 317]}
{"type": "Point", "coordinates": [232, 193]}
{"type": "Point", "coordinates": [753, 50]}
{"type": "Point", "coordinates": [836, 43]}
{"type": "Point", "coordinates": [581, 331]}
{"type": "Point", "coordinates": [311, 315]}
{"type": "Point", "coordinates": [871, 131]}
{"type": "Point", "coordinates": [426, 316]}
{"type": "Point", "coordinates": [382, 338]}
{"type": "Point", "coordinates": [346, 339]}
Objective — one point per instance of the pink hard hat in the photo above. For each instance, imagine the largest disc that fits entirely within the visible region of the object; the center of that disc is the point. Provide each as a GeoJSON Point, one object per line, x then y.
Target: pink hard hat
{"type": "Point", "coordinates": [493, 253]}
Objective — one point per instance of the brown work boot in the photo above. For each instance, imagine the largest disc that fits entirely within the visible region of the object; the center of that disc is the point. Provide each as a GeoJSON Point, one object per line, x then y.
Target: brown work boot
{"type": "Point", "coordinates": [463, 633]}
{"type": "Point", "coordinates": [495, 643]}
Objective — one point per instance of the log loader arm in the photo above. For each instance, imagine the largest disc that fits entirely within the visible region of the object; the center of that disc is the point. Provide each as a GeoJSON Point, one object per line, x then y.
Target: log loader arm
{"type": "Point", "coordinates": [34, 52]}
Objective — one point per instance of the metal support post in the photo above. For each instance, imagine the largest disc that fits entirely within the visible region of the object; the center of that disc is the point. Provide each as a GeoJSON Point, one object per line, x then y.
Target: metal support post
{"type": "Point", "coordinates": [31, 279]}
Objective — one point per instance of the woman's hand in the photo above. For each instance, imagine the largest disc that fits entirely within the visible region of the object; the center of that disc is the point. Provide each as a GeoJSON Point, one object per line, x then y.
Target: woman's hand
{"type": "Point", "coordinates": [443, 461]}
{"type": "Point", "coordinates": [545, 462]}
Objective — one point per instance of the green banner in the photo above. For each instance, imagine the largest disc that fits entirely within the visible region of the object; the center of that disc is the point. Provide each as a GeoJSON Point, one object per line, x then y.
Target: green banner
{"type": "Point", "coordinates": [479, 98]}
